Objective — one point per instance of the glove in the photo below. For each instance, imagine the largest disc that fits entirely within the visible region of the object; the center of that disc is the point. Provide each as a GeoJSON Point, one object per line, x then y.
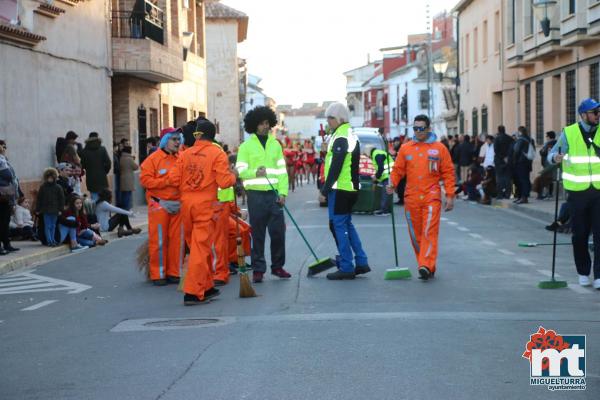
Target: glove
{"type": "Point", "coordinates": [171, 206]}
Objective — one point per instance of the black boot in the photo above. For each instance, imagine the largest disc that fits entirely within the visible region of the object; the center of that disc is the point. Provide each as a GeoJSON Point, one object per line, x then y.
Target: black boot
{"type": "Point", "coordinates": [363, 269]}
{"type": "Point", "coordinates": [340, 275]}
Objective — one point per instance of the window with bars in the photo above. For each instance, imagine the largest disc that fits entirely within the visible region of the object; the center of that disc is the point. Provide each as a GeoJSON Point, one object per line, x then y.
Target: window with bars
{"type": "Point", "coordinates": [539, 111]}
{"type": "Point", "coordinates": [475, 121]}
{"type": "Point", "coordinates": [484, 119]}
{"type": "Point", "coordinates": [594, 81]}
{"type": "Point", "coordinates": [528, 107]}
{"type": "Point", "coordinates": [571, 97]}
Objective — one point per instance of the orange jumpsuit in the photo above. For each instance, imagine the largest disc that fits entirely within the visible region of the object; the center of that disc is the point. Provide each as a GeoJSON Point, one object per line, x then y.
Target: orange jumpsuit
{"type": "Point", "coordinates": [220, 257]}
{"type": "Point", "coordinates": [165, 231]}
{"type": "Point", "coordinates": [199, 171]}
{"type": "Point", "coordinates": [424, 164]}
{"type": "Point", "coordinates": [244, 233]}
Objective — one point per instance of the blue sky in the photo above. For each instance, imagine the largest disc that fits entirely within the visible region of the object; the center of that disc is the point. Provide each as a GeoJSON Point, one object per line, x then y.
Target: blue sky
{"type": "Point", "coordinates": [301, 48]}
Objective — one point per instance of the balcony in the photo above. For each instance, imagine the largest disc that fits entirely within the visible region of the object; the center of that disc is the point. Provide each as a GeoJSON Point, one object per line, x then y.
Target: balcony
{"type": "Point", "coordinates": [138, 39]}
{"type": "Point", "coordinates": [514, 56]}
{"type": "Point", "coordinates": [538, 47]}
{"type": "Point", "coordinates": [573, 30]}
{"type": "Point", "coordinates": [593, 18]}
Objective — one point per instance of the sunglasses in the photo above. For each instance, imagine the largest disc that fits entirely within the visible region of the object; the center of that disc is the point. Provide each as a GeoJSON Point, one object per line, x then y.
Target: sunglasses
{"type": "Point", "coordinates": [175, 138]}
{"type": "Point", "coordinates": [595, 112]}
{"type": "Point", "coordinates": [419, 128]}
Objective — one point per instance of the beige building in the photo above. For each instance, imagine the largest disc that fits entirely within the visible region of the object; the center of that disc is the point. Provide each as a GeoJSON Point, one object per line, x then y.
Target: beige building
{"type": "Point", "coordinates": [159, 68]}
{"type": "Point", "coordinates": [521, 76]}
{"type": "Point", "coordinates": [54, 77]}
{"type": "Point", "coordinates": [225, 28]}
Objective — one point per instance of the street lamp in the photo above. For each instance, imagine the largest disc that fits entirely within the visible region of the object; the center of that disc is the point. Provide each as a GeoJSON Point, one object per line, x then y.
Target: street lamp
{"type": "Point", "coordinates": [440, 68]}
{"type": "Point", "coordinates": [186, 41]}
{"type": "Point", "coordinates": [544, 12]}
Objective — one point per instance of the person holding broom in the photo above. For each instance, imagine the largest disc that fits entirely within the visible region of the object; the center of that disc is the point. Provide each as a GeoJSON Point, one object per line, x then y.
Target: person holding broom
{"type": "Point", "coordinates": [199, 172]}
{"type": "Point", "coordinates": [262, 168]}
{"type": "Point", "coordinates": [165, 228]}
{"type": "Point", "coordinates": [425, 162]}
{"type": "Point", "coordinates": [340, 190]}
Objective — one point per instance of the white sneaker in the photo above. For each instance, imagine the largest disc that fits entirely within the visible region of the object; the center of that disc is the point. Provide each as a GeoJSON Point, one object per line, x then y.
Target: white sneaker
{"type": "Point", "coordinates": [79, 249]}
{"type": "Point", "coordinates": [597, 284]}
{"type": "Point", "coordinates": [584, 280]}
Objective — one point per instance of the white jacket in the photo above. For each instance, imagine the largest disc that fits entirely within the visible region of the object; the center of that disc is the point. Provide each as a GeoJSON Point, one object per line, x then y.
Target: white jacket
{"type": "Point", "coordinates": [21, 217]}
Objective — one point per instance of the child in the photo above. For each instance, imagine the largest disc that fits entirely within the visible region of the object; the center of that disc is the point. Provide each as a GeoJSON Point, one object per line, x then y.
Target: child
{"type": "Point", "coordinates": [120, 217]}
{"type": "Point", "coordinates": [50, 204]}
{"type": "Point", "coordinates": [21, 222]}
{"type": "Point", "coordinates": [84, 235]}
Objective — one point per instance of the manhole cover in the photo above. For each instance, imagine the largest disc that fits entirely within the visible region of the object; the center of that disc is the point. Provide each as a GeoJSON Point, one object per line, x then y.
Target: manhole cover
{"type": "Point", "coordinates": [181, 322]}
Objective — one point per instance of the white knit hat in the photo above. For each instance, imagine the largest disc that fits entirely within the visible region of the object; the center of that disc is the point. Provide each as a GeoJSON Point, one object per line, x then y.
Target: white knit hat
{"type": "Point", "coordinates": [338, 111]}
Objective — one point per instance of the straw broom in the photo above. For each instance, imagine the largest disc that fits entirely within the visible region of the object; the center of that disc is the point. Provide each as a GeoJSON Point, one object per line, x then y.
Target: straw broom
{"type": "Point", "coordinates": [143, 259]}
{"type": "Point", "coordinates": [246, 289]}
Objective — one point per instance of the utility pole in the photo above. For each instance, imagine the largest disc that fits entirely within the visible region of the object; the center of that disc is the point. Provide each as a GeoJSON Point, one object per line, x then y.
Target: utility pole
{"type": "Point", "coordinates": [430, 109]}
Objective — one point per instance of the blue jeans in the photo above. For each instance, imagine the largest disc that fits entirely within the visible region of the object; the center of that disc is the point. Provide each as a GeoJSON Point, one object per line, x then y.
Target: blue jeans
{"type": "Point", "coordinates": [125, 200]}
{"type": "Point", "coordinates": [86, 238]}
{"type": "Point", "coordinates": [385, 198]}
{"type": "Point", "coordinates": [346, 238]}
{"type": "Point", "coordinates": [67, 232]}
{"type": "Point", "coordinates": [50, 227]}
{"type": "Point", "coordinates": [94, 196]}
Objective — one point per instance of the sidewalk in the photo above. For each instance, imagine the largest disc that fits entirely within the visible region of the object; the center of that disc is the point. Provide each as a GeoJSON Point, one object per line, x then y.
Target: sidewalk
{"type": "Point", "coordinates": [34, 252]}
{"type": "Point", "coordinates": [540, 209]}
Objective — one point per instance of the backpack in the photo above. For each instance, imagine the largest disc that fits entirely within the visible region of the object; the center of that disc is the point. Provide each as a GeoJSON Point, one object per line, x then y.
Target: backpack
{"type": "Point", "coordinates": [530, 153]}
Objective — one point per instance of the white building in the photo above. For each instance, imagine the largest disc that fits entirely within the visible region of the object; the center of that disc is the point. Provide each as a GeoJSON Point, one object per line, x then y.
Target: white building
{"type": "Point", "coordinates": [255, 95]}
{"type": "Point", "coordinates": [355, 80]}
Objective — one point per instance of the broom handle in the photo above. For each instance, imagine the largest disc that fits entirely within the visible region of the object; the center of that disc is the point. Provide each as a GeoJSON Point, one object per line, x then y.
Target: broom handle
{"type": "Point", "coordinates": [387, 159]}
{"type": "Point", "coordinates": [557, 189]}
{"type": "Point", "coordinates": [294, 221]}
{"type": "Point", "coordinates": [238, 237]}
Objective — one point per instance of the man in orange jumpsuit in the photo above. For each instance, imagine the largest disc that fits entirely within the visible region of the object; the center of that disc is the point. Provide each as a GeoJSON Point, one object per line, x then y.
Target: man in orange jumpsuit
{"type": "Point", "coordinates": [165, 228]}
{"type": "Point", "coordinates": [199, 172]}
{"type": "Point", "coordinates": [425, 162]}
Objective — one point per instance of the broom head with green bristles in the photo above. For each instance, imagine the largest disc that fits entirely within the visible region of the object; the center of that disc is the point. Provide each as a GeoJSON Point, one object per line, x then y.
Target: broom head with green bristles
{"type": "Point", "coordinates": [552, 284]}
{"type": "Point", "coordinates": [393, 274]}
{"type": "Point", "coordinates": [319, 266]}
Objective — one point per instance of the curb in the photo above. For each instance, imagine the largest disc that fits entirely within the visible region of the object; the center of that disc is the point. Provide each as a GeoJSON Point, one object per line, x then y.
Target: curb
{"type": "Point", "coordinates": [51, 253]}
{"type": "Point", "coordinates": [530, 210]}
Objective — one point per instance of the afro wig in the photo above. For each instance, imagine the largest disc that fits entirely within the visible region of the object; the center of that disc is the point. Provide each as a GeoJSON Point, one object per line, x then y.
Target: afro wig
{"type": "Point", "coordinates": [258, 115]}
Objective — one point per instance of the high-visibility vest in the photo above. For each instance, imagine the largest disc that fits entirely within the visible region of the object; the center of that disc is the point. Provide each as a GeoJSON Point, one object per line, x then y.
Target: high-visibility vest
{"type": "Point", "coordinates": [228, 194]}
{"type": "Point", "coordinates": [344, 181]}
{"type": "Point", "coordinates": [581, 166]}
{"type": "Point", "coordinates": [388, 163]}
{"type": "Point", "coordinates": [252, 155]}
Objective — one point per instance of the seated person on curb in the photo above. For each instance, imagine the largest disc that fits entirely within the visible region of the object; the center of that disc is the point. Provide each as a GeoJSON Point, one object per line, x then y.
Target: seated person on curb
{"type": "Point", "coordinates": [84, 234]}
{"type": "Point", "coordinates": [21, 222]}
{"type": "Point", "coordinates": [119, 218]}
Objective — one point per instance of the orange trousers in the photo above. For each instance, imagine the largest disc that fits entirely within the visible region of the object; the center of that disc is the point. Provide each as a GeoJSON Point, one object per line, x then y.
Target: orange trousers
{"type": "Point", "coordinates": [423, 227]}
{"type": "Point", "coordinates": [220, 258]}
{"type": "Point", "coordinates": [165, 242]}
{"type": "Point", "coordinates": [199, 227]}
{"type": "Point", "coordinates": [244, 233]}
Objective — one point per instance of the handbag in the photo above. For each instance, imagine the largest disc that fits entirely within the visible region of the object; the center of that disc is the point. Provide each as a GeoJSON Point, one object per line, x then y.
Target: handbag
{"type": "Point", "coordinates": [7, 193]}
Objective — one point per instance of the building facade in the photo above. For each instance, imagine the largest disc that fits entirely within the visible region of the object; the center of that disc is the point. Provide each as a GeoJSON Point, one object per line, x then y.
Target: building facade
{"type": "Point", "coordinates": [55, 77]}
{"type": "Point", "coordinates": [225, 28]}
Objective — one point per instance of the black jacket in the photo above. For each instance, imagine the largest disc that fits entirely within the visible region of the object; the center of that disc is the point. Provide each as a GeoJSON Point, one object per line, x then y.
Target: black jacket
{"type": "Point", "coordinates": [466, 151]}
{"type": "Point", "coordinates": [50, 199]}
{"type": "Point", "coordinates": [96, 163]}
{"type": "Point", "coordinates": [502, 147]}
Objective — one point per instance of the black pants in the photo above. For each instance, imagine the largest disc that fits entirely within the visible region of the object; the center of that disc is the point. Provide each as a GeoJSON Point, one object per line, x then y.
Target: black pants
{"type": "Point", "coordinates": [120, 220]}
{"type": "Point", "coordinates": [5, 212]}
{"type": "Point", "coordinates": [585, 216]}
{"type": "Point", "coordinates": [24, 233]}
{"type": "Point", "coordinates": [265, 214]}
{"type": "Point", "coordinates": [503, 181]}
{"type": "Point", "coordinates": [522, 179]}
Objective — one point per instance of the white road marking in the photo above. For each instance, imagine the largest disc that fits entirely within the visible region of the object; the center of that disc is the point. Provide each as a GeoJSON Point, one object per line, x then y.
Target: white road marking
{"type": "Point", "coordinates": [548, 273]}
{"type": "Point", "coordinates": [462, 229]}
{"type": "Point", "coordinates": [33, 283]}
{"type": "Point", "coordinates": [489, 243]}
{"type": "Point", "coordinates": [312, 202]}
{"type": "Point", "coordinates": [578, 289]}
{"type": "Point", "coordinates": [475, 235]}
{"type": "Point", "coordinates": [506, 252]}
{"type": "Point", "coordinates": [39, 305]}
{"type": "Point", "coordinates": [452, 223]}
{"type": "Point", "coordinates": [525, 261]}
{"type": "Point", "coordinates": [444, 219]}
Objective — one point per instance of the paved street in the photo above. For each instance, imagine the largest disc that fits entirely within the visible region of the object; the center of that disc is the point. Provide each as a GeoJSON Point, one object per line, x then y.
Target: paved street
{"type": "Point", "coordinates": [87, 326]}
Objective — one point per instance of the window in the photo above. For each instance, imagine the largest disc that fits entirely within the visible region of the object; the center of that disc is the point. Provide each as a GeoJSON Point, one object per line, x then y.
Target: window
{"type": "Point", "coordinates": [572, 7]}
{"type": "Point", "coordinates": [461, 122]}
{"type": "Point", "coordinates": [497, 28]}
{"type": "Point", "coordinates": [484, 41]}
{"type": "Point", "coordinates": [462, 54]}
{"type": "Point", "coordinates": [528, 107]}
{"type": "Point", "coordinates": [510, 34]}
{"type": "Point", "coordinates": [594, 84]}
{"type": "Point", "coordinates": [475, 46]}
{"type": "Point", "coordinates": [424, 99]}
{"type": "Point", "coordinates": [539, 111]}
{"type": "Point", "coordinates": [9, 11]}
{"type": "Point", "coordinates": [529, 20]}
{"type": "Point", "coordinates": [570, 94]}
{"type": "Point", "coordinates": [475, 121]}
{"type": "Point", "coordinates": [484, 119]}
{"type": "Point", "coordinates": [467, 53]}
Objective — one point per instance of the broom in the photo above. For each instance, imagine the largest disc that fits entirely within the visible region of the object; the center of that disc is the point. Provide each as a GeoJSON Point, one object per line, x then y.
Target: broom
{"type": "Point", "coordinates": [319, 265]}
{"type": "Point", "coordinates": [143, 259]}
{"type": "Point", "coordinates": [535, 244]}
{"type": "Point", "coordinates": [246, 289]}
{"type": "Point", "coordinates": [394, 273]}
{"type": "Point", "coordinates": [553, 283]}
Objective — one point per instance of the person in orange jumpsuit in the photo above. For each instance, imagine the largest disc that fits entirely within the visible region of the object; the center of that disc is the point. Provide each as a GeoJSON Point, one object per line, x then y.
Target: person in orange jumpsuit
{"type": "Point", "coordinates": [244, 232]}
{"type": "Point", "coordinates": [199, 172]}
{"type": "Point", "coordinates": [425, 162]}
{"type": "Point", "coordinates": [165, 229]}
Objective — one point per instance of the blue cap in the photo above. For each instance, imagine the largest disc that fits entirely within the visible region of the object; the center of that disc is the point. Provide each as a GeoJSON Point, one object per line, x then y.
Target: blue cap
{"type": "Point", "coordinates": [587, 105]}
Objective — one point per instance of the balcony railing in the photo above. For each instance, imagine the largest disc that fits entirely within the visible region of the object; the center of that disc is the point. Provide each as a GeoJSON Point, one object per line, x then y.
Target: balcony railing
{"type": "Point", "coordinates": [139, 24]}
